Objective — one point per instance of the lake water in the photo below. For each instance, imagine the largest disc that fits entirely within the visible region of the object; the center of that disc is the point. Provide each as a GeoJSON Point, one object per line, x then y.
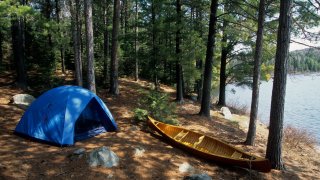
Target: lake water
{"type": "Point", "coordinates": [302, 104]}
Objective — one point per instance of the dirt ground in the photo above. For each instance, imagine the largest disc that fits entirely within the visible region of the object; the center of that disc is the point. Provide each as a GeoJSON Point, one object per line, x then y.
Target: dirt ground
{"type": "Point", "coordinates": [21, 158]}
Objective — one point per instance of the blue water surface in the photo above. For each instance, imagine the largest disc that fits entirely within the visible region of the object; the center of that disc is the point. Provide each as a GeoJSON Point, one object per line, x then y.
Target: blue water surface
{"type": "Point", "coordinates": [302, 102]}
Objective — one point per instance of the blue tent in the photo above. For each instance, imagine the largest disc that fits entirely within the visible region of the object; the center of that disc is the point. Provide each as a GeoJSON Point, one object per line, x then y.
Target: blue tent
{"type": "Point", "coordinates": [66, 114]}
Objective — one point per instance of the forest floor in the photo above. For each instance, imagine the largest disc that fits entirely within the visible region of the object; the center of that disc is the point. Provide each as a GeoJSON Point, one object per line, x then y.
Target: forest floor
{"type": "Point", "coordinates": [21, 158]}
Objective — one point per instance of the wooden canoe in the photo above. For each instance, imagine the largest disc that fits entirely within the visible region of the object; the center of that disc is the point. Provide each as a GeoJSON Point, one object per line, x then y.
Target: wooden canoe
{"type": "Point", "coordinates": [209, 148]}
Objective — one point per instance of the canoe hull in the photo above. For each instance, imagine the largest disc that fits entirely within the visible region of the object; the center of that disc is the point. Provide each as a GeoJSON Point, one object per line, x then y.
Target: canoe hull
{"type": "Point", "coordinates": [259, 164]}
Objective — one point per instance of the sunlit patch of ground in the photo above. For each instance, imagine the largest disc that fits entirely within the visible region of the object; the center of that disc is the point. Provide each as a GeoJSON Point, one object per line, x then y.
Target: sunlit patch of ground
{"type": "Point", "coordinates": [26, 159]}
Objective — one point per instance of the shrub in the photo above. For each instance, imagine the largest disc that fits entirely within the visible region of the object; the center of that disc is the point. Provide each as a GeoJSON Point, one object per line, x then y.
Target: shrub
{"type": "Point", "coordinates": [140, 114]}
{"type": "Point", "coordinates": [157, 105]}
{"type": "Point", "coordinates": [237, 108]}
{"type": "Point", "coordinates": [298, 138]}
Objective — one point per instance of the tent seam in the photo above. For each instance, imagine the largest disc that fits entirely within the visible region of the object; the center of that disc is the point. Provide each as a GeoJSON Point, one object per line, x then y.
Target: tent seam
{"type": "Point", "coordinates": [64, 117]}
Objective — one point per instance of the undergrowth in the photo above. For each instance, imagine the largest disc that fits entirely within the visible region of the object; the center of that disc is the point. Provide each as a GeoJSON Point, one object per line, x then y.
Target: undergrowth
{"type": "Point", "coordinates": [157, 105]}
{"type": "Point", "coordinates": [295, 138]}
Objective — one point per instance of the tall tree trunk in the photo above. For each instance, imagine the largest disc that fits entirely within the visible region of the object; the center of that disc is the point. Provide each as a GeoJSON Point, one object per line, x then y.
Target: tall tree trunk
{"type": "Point", "coordinates": [199, 81]}
{"type": "Point", "coordinates": [106, 42]}
{"type": "Point", "coordinates": [1, 51]}
{"type": "Point", "coordinates": [179, 91]}
{"type": "Point", "coordinates": [154, 49]}
{"type": "Point", "coordinates": [206, 96]}
{"type": "Point", "coordinates": [76, 41]}
{"type": "Point", "coordinates": [279, 87]}
{"type": "Point", "coordinates": [256, 76]}
{"type": "Point", "coordinates": [47, 13]}
{"type": "Point", "coordinates": [199, 63]}
{"type": "Point", "coordinates": [89, 45]}
{"type": "Point", "coordinates": [114, 84]}
{"type": "Point", "coordinates": [136, 75]}
{"type": "Point", "coordinates": [223, 66]}
{"type": "Point", "coordinates": [61, 48]}
{"type": "Point", "coordinates": [18, 48]}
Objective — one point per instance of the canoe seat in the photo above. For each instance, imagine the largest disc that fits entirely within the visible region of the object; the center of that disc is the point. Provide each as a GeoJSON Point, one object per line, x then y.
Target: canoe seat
{"type": "Point", "coordinates": [236, 154]}
{"type": "Point", "coordinates": [180, 135]}
{"type": "Point", "coordinates": [198, 142]}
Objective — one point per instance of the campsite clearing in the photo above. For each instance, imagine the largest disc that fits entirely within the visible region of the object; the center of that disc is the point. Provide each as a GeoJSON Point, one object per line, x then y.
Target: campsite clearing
{"type": "Point", "coordinates": [24, 159]}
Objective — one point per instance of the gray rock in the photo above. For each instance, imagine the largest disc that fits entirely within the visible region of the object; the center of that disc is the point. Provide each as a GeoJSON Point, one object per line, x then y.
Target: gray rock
{"type": "Point", "coordinates": [139, 151]}
{"type": "Point", "coordinates": [202, 176]}
{"type": "Point", "coordinates": [103, 156]}
{"type": "Point", "coordinates": [110, 176]}
{"type": "Point", "coordinates": [23, 99]}
{"type": "Point", "coordinates": [226, 113]}
{"type": "Point", "coordinates": [186, 168]}
{"type": "Point", "coordinates": [79, 151]}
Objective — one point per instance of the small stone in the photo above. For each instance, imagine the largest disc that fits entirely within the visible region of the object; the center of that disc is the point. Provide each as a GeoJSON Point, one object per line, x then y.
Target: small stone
{"type": "Point", "coordinates": [23, 99]}
{"type": "Point", "coordinates": [110, 176]}
{"type": "Point", "coordinates": [202, 176]}
{"type": "Point", "coordinates": [80, 151]}
{"type": "Point", "coordinates": [226, 113]}
{"type": "Point", "coordinates": [186, 168]}
{"type": "Point", "coordinates": [139, 151]}
{"type": "Point", "coordinates": [103, 156]}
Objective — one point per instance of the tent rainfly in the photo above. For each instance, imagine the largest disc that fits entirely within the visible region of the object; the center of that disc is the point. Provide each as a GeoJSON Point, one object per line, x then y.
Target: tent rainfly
{"type": "Point", "coordinates": [64, 115]}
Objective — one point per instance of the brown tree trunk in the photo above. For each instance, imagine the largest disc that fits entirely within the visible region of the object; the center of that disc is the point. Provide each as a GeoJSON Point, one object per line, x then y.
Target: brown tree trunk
{"type": "Point", "coordinates": [223, 66]}
{"type": "Point", "coordinates": [179, 90]}
{"type": "Point", "coordinates": [106, 42]}
{"type": "Point", "coordinates": [89, 45]}
{"type": "Point", "coordinates": [114, 84]}
{"type": "Point", "coordinates": [18, 48]}
{"type": "Point", "coordinates": [47, 13]}
{"type": "Point", "coordinates": [256, 76]}
{"type": "Point", "coordinates": [136, 75]}
{"type": "Point", "coordinates": [76, 41]}
{"type": "Point", "coordinates": [274, 145]}
{"type": "Point", "coordinates": [1, 52]}
{"type": "Point", "coordinates": [206, 97]}
{"type": "Point", "coordinates": [154, 49]}
{"type": "Point", "coordinates": [61, 48]}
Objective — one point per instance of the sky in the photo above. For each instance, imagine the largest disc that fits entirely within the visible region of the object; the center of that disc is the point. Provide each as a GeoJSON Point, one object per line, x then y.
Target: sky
{"type": "Point", "coordinates": [296, 46]}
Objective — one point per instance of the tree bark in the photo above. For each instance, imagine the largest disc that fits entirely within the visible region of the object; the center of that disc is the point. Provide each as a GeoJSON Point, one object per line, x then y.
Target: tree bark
{"type": "Point", "coordinates": [154, 49]}
{"type": "Point", "coordinates": [61, 48]}
{"type": "Point", "coordinates": [106, 42]}
{"type": "Point", "coordinates": [76, 41]}
{"type": "Point", "coordinates": [223, 66]}
{"type": "Point", "coordinates": [179, 90]}
{"type": "Point", "coordinates": [1, 51]}
{"type": "Point", "coordinates": [256, 77]}
{"type": "Point", "coordinates": [89, 45]}
{"type": "Point", "coordinates": [206, 96]}
{"type": "Point", "coordinates": [279, 87]}
{"type": "Point", "coordinates": [47, 13]}
{"type": "Point", "coordinates": [114, 84]}
{"type": "Point", "coordinates": [136, 76]}
{"type": "Point", "coordinates": [18, 48]}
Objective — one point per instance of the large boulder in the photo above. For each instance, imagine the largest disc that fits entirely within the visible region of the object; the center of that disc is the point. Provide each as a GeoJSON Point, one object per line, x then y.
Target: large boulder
{"type": "Point", "coordinates": [23, 99]}
{"type": "Point", "coordinates": [226, 113]}
{"type": "Point", "coordinates": [103, 156]}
